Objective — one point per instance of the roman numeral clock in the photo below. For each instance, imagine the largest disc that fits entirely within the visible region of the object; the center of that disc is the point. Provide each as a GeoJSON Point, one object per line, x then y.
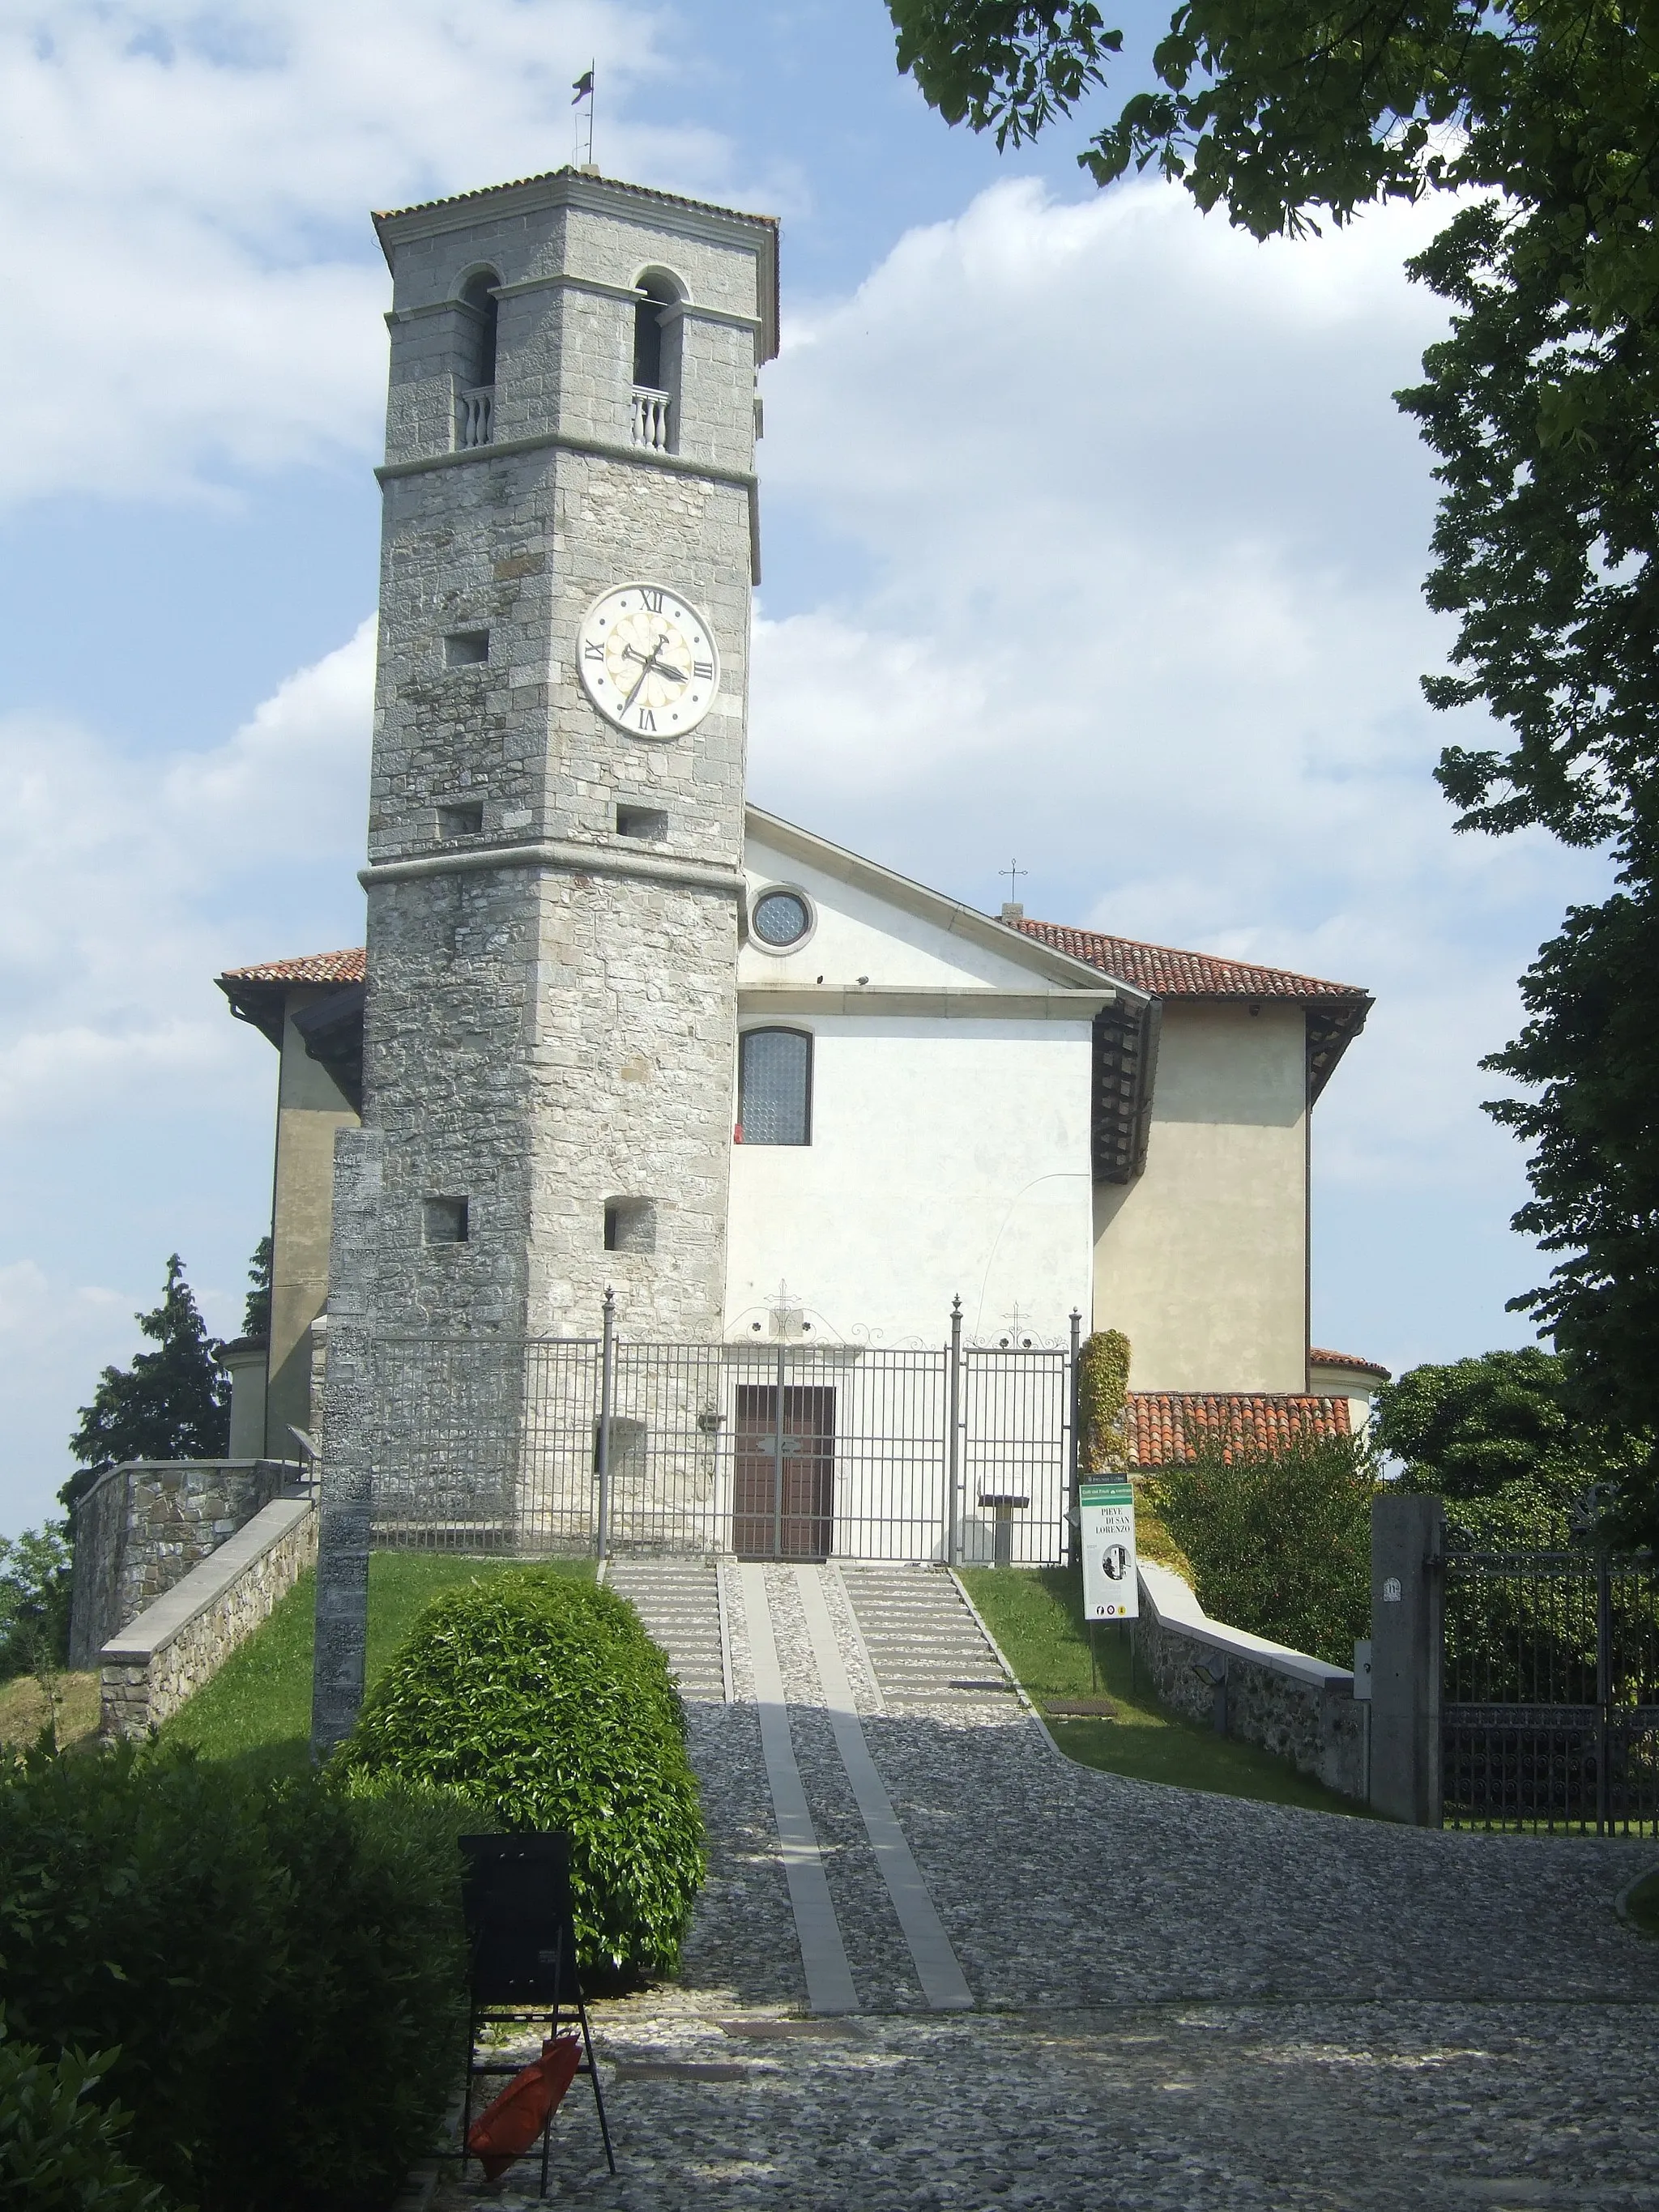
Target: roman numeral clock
{"type": "Point", "coordinates": [648, 660]}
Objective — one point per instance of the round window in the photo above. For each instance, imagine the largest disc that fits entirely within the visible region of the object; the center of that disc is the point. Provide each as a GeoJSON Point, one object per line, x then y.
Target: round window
{"type": "Point", "coordinates": [781, 918]}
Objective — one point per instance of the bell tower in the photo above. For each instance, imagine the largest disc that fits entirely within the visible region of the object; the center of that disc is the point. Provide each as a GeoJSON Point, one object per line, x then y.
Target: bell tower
{"type": "Point", "coordinates": [556, 809]}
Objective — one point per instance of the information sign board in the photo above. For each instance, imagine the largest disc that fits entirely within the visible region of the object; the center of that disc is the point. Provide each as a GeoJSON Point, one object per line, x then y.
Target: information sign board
{"type": "Point", "coordinates": [1107, 1514]}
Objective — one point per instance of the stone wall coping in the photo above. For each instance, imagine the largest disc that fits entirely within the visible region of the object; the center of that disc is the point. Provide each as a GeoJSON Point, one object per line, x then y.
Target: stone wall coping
{"type": "Point", "coordinates": [557, 854]}
{"type": "Point", "coordinates": [166, 1466]}
{"type": "Point", "coordinates": [206, 1584]}
{"type": "Point", "coordinates": [1175, 1606]}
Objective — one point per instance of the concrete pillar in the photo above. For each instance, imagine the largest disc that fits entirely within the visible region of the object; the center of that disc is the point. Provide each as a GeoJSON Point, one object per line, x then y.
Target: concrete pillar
{"type": "Point", "coordinates": [1407, 1586]}
{"type": "Point", "coordinates": [348, 1466]}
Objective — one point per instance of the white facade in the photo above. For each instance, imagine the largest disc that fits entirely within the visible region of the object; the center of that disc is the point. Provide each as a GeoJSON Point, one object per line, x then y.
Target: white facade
{"type": "Point", "coordinates": [949, 1152]}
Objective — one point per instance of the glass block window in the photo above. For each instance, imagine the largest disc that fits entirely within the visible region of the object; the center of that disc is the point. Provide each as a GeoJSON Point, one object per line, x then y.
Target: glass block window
{"type": "Point", "coordinates": [775, 1087]}
{"type": "Point", "coordinates": [781, 918]}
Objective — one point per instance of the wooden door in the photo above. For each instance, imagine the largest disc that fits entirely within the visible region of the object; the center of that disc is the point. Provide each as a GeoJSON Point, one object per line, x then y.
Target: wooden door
{"type": "Point", "coordinates": [808, 1499]}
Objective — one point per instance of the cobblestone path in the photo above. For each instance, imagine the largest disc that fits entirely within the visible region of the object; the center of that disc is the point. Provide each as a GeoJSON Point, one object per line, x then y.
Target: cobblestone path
{"type": "Point", "coordinates": [1179, 2000]}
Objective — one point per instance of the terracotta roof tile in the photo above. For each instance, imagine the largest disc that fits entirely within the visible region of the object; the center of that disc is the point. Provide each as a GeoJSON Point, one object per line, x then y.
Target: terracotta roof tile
{"type": "Point", "coordinates": [312, 967]}
{"type": "Point", "coordinates": [1318, 1358]}
{"type": "Point", "coordinates": [1162, 1424]}
{"type": "Point", "coordinates": [1175, 974]}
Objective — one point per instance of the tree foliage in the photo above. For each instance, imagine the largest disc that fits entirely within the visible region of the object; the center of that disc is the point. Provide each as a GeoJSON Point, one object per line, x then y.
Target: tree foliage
{"type": "Point", "coordinates": [1466, 1429]}
{"type": "Point", "coordinates": [172, 1403]}
{"type": "Point", "coordinates": [1542, 407]}
{"type": "Point", "coordinates": [34, 1600]}
{"type": "Point", "coordinates": [1279, 1542]}
{"type": "Point", "coordinates": [256, 1311]}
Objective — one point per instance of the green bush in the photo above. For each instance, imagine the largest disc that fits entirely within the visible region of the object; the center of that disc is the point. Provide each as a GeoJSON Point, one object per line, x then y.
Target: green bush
{"type": "Point", "coordinates": [59, 2150]}
{"type": "Point", "coordinates": [1280, 1542]}
{"type": "Point", "coordinates": [281, 1969]}
{"type": "Point", "coordinates": [544, 1699]}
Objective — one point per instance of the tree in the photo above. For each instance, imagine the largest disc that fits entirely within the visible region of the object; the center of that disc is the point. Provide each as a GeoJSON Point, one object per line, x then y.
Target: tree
{"type": "Point", "coordinates": [34, 1600]}
{"type": "Point", "coordinates": [1477, 1426]}
{"type": "Point", "coordinates": [172, 1403]}
{"type": "Point", "coordinates": [256, 1313]}
{"type": "Point", "coordinates": [1542, 408]}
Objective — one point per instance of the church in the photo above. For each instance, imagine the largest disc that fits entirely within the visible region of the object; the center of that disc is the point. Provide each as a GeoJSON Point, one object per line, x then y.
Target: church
{"type": "Point", "coordinates": [616, 1030]}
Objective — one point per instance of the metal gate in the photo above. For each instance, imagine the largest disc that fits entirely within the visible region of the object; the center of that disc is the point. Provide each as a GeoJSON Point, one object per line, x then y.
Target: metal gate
{"type": "Point", "coordinates": [538, 1446]}
{"type": "Point", "coordinates": [1549, 1704]}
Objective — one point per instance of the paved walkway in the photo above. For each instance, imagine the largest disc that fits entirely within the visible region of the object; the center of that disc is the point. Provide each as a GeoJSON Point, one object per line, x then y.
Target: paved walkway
{"type": "Point", "coordinates": [1177, 2000]}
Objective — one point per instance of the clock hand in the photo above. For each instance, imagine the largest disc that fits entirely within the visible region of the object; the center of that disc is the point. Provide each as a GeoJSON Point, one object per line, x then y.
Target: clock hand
{"type": "Point", "coordinates": [653, 666]}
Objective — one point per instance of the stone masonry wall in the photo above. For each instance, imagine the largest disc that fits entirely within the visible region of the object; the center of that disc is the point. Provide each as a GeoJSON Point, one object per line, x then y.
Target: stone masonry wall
{"type": "Point", "coordinates": [144, 1527]}
{"type": "Point", "coordinates": [144, 1682]}
{"type": "Point", "coordinates": [1301, 1711]}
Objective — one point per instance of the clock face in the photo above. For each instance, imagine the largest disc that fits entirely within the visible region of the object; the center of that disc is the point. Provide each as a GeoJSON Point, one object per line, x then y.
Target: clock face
{"type": "Point", "coordinates": [648, 660]}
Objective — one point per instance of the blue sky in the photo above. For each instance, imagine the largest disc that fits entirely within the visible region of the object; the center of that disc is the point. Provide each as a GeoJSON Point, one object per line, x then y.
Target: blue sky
{"type": "Point", "coordinates": [1091, 536]}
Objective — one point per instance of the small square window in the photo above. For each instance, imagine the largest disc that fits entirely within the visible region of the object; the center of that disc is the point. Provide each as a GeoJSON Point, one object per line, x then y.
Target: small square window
{"type": "Point", "coordinates": [447, 1221]}
{"type": "Point", "coordinates": [463, 819]}
{"type": "Point", "coordinates": [647, 822]}
{"type": "Point", "coordinates": [630, 1224]}
{"type": "Point", "coordinates": [466, 648]}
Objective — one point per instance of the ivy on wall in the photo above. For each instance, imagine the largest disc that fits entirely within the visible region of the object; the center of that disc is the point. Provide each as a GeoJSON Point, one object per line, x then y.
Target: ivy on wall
{"type": "Point", "coordinates": [1102, 1388]}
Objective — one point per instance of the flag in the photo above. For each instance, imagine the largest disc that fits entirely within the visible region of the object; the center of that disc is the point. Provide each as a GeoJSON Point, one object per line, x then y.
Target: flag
{"type": "Point", "coordinates": [584, 85]}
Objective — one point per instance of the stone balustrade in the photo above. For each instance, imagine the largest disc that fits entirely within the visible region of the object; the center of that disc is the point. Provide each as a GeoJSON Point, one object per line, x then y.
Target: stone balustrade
{"type": "Point", "coordinates": [651, 419]}
{"type": "Point", "coordinates": [475, 411]}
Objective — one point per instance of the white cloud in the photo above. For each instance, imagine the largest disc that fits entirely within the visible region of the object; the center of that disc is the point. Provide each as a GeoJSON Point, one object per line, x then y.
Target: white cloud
{"type": "Point", "coordinates": [1138, 538]}
{"type": "Point", "coordinates": [126, 885]}
{"type": "Point", "coordinates": [185, 246]}
{"type": "Point", "coordinates": [135, 1113]}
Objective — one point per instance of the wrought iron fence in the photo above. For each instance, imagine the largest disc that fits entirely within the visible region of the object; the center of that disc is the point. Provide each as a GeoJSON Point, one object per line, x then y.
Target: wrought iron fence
{"type": "Point", "coordinates": [541, 1446]}
{"type": "Point", "coordinates": [1550, 1690]}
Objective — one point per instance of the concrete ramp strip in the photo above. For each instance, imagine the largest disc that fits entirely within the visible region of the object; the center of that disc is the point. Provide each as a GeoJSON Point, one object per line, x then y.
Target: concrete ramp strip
{"type": "Point", "coordinates": [829, 1986]}
{"type": "Point", "coordinates": [943, 1982]}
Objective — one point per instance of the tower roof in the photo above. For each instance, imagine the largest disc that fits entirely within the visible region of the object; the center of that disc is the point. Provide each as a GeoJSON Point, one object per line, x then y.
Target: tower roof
{"type": "Point", "coordinates": [569, 185]}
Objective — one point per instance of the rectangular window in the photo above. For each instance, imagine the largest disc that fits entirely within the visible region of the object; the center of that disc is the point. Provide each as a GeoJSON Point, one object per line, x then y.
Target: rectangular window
{"type": "Point", "coordinates": [464, 819]}
{"type": "Point", "coordinates": [647, 822]}
{"type": "Point", "coordinates": [466, 648]}
{"type": "Point", "coordinates": [447, 1221]}
{"type": "Point", "coordinates": [630, 1224]}
{"type": "Point", "coordinates": [775, 1087]}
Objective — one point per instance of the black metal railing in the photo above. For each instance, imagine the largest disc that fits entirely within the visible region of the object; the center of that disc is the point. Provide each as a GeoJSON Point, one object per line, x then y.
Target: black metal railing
{"type": "Point", "coordinates": [1550, 1689]}
{"type": "Point", "coordinates": [538, 1446]}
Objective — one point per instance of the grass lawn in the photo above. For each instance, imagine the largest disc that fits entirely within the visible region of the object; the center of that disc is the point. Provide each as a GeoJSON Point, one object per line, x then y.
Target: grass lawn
{"type": "Point", "coordinates": [1036, 1616]}
{"type": "Point", "coordinates": [256, 1708]}
{"type": "Point", "coordinates": [24, 1711]}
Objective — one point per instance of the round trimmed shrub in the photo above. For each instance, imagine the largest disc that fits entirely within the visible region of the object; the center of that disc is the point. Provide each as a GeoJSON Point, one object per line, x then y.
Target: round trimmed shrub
{"type": "Point", "coordinates": [542, 1698]}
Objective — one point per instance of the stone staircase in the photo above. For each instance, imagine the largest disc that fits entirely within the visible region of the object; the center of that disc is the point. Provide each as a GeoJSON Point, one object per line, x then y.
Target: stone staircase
{"type": "Point", "coordinates": [679, 1601]}
{"type": "Point", "coordinates": [925, 1646]}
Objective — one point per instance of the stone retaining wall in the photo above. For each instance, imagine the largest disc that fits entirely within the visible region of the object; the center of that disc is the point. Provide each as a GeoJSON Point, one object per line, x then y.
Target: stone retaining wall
{"type": "Point", "coordinates": [151, 1667]}
{"type": "Point", "coordinates": [1284, 1701]}
{"type": "Point", "coordinates": [145, 1524]}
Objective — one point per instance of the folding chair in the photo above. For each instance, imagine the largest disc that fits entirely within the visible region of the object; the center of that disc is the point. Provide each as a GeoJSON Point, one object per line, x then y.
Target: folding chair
{"type": "Point", "coordinates": [521, 1940]}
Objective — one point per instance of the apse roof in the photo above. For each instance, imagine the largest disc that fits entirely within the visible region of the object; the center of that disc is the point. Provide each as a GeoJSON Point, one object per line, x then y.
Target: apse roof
{"type": "Point", "coordinates": [1165, 1426]}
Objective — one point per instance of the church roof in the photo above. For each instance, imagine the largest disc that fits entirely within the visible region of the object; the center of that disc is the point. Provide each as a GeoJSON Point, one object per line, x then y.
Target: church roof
{"type": "Point", "coordinates": [1171, 973]}
{"type": "Point", "coordinates": [1318, 1358]}
{"type": "Point", "coordinates": [1336, 1011]}
{"type": "Point", "coordinates": [345, 967]}
{"type": "Point", "coordinates": [1163, 1427]}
